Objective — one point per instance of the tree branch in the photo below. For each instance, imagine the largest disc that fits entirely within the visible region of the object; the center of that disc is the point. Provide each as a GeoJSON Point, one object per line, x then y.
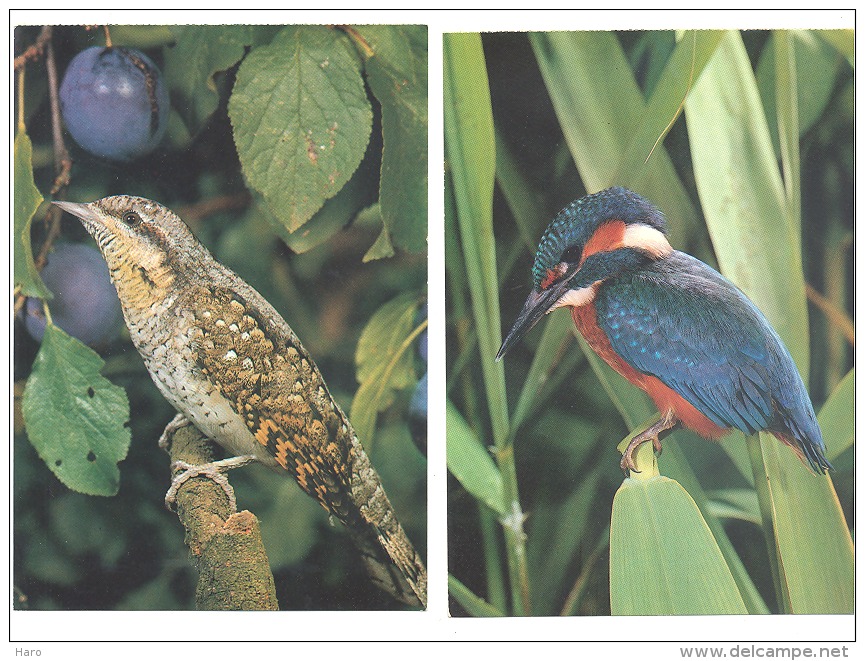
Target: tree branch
{"type": "Point", "coordinates": [35, 50]}
{"type": "Point", "coordinates": [233, 570]}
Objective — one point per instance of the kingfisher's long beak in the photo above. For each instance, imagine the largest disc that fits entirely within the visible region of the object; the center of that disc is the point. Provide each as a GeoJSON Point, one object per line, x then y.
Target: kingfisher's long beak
{"type": "Point", "coordinates": [536, 305]}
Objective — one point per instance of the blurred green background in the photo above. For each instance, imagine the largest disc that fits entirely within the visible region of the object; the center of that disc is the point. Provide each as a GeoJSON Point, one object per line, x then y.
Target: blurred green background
{"type": "Point", "coordinates": [73, 551]}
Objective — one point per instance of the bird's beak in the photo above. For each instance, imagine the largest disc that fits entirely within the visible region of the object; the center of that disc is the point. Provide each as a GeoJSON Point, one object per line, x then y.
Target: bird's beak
{"type": "Point", "coordinates": [83, 211]}
{"type": "Point", "coordinates": [536, 305]}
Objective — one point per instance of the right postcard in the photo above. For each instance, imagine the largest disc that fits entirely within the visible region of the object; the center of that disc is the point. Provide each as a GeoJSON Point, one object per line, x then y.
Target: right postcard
{"type": "Point", "coordinates": [649, 246]}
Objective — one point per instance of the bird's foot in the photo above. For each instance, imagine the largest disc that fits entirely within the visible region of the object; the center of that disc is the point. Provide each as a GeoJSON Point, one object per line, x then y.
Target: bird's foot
{"type": "Point", "coordinates": [215, 470]}
{"type": "Point", "coordinates": [177, 422]}
{"type": "Point", "coordinates": [653, 433]}
{"type": "Point", "coordinates": [628, 464]}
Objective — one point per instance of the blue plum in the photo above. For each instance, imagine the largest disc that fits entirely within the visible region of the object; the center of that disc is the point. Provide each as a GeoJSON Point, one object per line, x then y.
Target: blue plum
{"type": "Point", "coordinates": [85, 303]}
{"type": "Point", "coordinates": [114, 102]}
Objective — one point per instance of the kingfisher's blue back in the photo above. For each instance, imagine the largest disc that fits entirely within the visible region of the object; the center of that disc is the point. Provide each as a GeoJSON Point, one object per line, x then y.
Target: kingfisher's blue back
{"type": "Point", "coordinates": [670, 324]}
{"type": "Point", "coordinates": [684, 323]}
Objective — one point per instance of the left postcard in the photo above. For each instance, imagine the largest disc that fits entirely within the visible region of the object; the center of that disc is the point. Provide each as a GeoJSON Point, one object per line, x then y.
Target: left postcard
{"type": "Point", "coordinates": [220, 259]}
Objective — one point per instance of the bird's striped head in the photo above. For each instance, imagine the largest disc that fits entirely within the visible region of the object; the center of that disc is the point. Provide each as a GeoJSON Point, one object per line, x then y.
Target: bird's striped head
{"type": "Point", "coordinates": [145, 245]}
{"type": "Point", "coordinates": [594, 238]}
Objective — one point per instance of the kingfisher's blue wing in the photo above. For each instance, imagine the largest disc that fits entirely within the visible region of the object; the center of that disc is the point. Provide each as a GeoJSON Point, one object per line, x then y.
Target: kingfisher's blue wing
{"type": "Point", "coordinates": [682, 322]}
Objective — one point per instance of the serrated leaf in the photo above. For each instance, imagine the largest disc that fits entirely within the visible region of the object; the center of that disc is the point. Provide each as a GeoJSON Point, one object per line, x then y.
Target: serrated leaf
{"type": "Point", "coordinates": [384, 362]}
{"type": "Point", "coordinates": [337, 212]}
{"type": "Point", "coordinates": [27, 201]}
{"type": "Point", "coordinates": [301, 119]}
{"type": "Point", "coordinates": [200, 52]}
{"type": "Point", "coordinates": [74, 416]}
{"type": "Point", "coordinates": [397, 75]}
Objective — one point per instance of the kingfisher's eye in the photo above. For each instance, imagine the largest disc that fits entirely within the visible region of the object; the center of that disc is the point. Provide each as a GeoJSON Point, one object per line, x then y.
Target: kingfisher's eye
{"type": "Point", "coordinates": [572, 254]}
{"type": "Point", "coordinates": [131, 218]}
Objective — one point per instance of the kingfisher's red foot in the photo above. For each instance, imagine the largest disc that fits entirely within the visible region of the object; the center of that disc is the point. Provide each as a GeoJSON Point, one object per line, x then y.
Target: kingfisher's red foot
{"type": "Point", "coordinates": [653, 433]}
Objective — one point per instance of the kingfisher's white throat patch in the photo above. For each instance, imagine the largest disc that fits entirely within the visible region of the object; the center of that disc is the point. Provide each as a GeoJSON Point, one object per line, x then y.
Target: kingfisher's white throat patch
{"type": "Point", "coordinates": [576, 297]}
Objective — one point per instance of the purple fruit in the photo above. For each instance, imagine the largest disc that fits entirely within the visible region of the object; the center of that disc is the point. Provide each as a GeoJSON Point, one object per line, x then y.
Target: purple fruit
{"type": "Point", "coordinates": [114, 102]}
{"type": "Point", "coordinates": [85, 303]}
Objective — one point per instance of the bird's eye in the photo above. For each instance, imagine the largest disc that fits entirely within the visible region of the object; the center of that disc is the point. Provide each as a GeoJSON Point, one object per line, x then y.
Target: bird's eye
{"type": "Point", "coordinates": [131, 218]}
{"type": "Point", "coordinates": [572, 254]}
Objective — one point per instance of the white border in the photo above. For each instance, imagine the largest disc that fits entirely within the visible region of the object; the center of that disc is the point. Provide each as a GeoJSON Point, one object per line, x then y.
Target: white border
{"type": "Point", "coordinates": [434, 624]}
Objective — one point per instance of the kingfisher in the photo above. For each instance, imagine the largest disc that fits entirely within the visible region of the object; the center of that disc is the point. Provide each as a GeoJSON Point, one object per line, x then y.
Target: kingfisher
{"type": "Point", "coordinates": [670, 324]}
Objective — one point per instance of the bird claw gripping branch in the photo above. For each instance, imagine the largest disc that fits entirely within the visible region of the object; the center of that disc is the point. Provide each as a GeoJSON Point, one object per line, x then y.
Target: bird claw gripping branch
{"type": "Point", "coordinates": [227, 361]}
{"type": "Point", "coordinates": [669, 324]}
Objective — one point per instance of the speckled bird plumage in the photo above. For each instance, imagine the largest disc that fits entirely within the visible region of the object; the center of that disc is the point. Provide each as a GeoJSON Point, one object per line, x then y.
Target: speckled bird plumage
{"type": "Point", "coordinates": [226, 360]}
{"type": "Point", "coordinates": [669, 323]}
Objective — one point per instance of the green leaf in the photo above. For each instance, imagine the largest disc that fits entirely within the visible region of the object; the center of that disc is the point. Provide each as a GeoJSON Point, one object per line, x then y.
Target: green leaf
{"type": "Point", "coordinates": [557, 334]}
{"type": "Point", "coordinates": [811, 535]}
{"type": "Point", "coordinates": [836, 418]}
{"type": "Point", "coordinates": [335, 214]}
{"type": "Point", "coordinates": [844, 41]}
{"type": "Point", "coordinates": [474, 605]}
{"type": "Point", "coordinates": [557, 531]}
{"type": "Point", "coordinates": [142, 36]}
{"type": "Point", "coordinates": [733, 503]}
{"type": "Point", "coordinates": [397, 75]}
{"type": "Point", "coordinates": [684, 66]}
{"type": "Point", "coordinates": [27, 201]}
{"type": "Point", "coordinates": [756, 242]}
{"type": "Point", "coordinates": [817, 65]}
{"type": "Point", "coordinates": [663, 558]}
{"type": "Point", "coordinates": [650, 55]}
{"type": "Point", "coordinates": [526, 204]}
{"type": "Point", "coordinates": [301, 119]}
{"type": "Point", "coordinates": [599, 104]}
{"type": "Point", "coordinates": [382, 247]}
{"type": "Point", "coordinates": [470, 153]}
{"type": "Point", "coordinates": [76, 418]}
{"type": "Point", "coordinates": [201, 51]}
{"type": "Point", "coordinates": [384, 362]}
{"type": "Point", "coordinates": [471, 463]}
{"type": "Point", "coordinates": [470, 150]}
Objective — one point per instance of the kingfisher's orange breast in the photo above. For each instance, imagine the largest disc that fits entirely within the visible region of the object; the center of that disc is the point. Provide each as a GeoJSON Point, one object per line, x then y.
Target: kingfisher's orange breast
{"type": "Point", "coordinates": [664, 397]}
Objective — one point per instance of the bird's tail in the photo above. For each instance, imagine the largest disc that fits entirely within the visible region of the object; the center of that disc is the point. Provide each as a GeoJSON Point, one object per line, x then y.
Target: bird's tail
{"type": "Point", "coordinates": [810, 453]}
{"type": "Point", "coordinates": [389, 557]}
